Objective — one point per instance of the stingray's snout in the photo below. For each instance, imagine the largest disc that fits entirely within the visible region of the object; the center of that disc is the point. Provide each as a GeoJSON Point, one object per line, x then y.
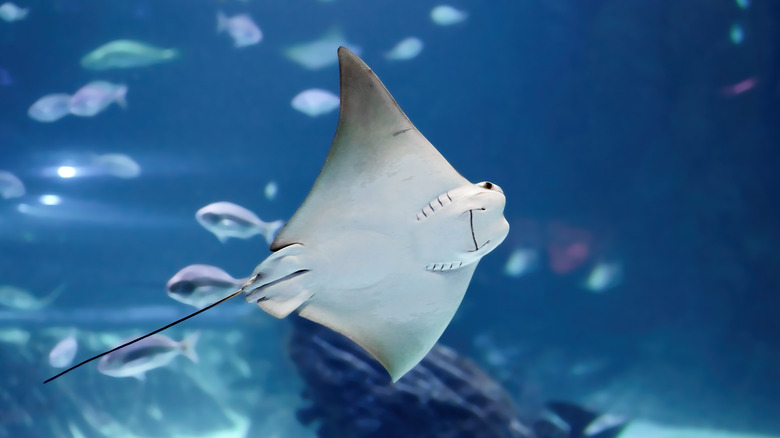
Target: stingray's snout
{"type": "Point", "coordinates": [488, 226]}
{"type": "Point", "coordinates": [488, 200]}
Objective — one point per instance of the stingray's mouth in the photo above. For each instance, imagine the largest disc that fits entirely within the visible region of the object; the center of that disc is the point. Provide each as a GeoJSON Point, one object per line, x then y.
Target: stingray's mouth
{"type": "Point", "coordinates": [477, 246]}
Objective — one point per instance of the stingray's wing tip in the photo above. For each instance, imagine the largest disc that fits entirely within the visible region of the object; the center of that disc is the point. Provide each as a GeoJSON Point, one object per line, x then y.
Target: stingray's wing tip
{"type": "Point", "coordinates": [396, 364]}
{"type": "Point", "coordinates": [395, 376]}
{"type": "Point", "coordinates": [347, 57]}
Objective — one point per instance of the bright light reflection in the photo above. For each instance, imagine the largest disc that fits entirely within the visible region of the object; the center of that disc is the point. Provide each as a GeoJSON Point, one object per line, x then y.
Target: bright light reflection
{"type": "Point", "coordinates": [66, 172]}
{"type": "Point", "coordinates": [50, 200]}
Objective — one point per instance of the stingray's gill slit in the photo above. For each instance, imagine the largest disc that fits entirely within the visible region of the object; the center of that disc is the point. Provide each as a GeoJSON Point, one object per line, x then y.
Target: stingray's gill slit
{"type": "Point", "coordinates": [442, 200]}
{"type": "Point", "coordinates": [444, 266]}
{"type": "Point", "coordinates": [233, 295]}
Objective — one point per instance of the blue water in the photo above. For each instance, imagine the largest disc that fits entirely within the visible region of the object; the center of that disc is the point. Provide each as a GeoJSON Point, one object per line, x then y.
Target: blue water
{"type": "Point", "coordinates": [608, 124]}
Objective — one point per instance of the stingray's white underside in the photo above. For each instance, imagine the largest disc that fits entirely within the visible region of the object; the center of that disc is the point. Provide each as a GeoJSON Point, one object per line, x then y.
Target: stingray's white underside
{"type": "Point", "coordinates": [384, 246]}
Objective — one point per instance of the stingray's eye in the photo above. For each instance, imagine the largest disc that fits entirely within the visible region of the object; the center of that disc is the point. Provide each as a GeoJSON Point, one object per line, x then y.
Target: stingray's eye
{"type": "Point", "coordinates": [490, 186]}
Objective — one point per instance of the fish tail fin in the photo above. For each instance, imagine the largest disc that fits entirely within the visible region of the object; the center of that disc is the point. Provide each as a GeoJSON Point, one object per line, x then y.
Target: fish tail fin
{"type": "Point", "coordinates": [121, 96]}
{"type": "Point", "coordinates": [23, 13]}
{"type": "Point", "coordinates": [222, 21]}
{"type": "Point", "coordinates": [271, 230]}
{"type": "Point", "coordinates": [48, 299]}
{"type": "Point", "coordinates": [575, 417]}
{"type": "Point", "coordinates": [583, 422]}
{"type": "Point", "coordinates": [188, 346]}
{"type": "Point", "coordinates": [171, 53]}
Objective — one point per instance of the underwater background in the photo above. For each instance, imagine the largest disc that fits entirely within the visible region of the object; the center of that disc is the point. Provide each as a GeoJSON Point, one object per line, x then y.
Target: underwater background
{"type": "Point", "coordinates": [636, 142]}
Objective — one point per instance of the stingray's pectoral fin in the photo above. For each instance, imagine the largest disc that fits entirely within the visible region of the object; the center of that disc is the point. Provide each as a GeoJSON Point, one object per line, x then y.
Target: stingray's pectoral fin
{"type": "Point", "coordinates": [278, 284]}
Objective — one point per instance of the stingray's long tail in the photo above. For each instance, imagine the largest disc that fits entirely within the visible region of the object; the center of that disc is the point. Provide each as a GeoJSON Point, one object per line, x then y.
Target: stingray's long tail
{"type": "Point", "coordinates": [233, 295]}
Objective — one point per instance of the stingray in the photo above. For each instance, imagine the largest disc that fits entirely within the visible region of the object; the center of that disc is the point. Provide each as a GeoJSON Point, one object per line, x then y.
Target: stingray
{"type": "Point", "coordinates": [385, 244]}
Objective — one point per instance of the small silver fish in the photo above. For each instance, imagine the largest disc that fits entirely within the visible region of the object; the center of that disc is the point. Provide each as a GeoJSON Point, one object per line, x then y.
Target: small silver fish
{"type": "Point", "coordinates": [10, 12]}
{"type": "Point", "coordinates": [521, 262]}
{"type": "Point", "coordinates": [21, 299]}
{"type": "Point", "coordinates": [95, 97]}
{"type": "Point", "coordinates": [604, 275]}
{"type": "Point", "coordinates": [63, 353]}
{"type": "Point", "coordinates": [126, 54]}
{"type": "Point", "coordinates": [201, 285]}
{"type": "Point", "coordinates": [50, 108]}
{"type": "Point", "coordinates": [271, 190]}
{"type": "Point", "coordinates": [145, 355]}
{"type": "Point", "coordinates": [241, 28]}
{"type": "Point", "coordinates": [10, 185]}
{"type": "Point", "coordinates": [407, 48]}
{"type": "Point", "coordinates": [226, 220]}
{"type": "Point", "coordinates": [14, 336]}
{"type": "Point", "coordinates": [118, 165]}
{"type": "Point", "coordinates": [315, 102]}
{"type": "Point", "coordinates": [446, 15]}
{"type": "Point", "coordinates": [320, 53]}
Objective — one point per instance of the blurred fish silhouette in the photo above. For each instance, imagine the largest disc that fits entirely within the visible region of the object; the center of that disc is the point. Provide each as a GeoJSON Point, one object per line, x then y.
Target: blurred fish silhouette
{"type": "Point", "coordinates": [315, 102]}
{"type": "Point", "coordinates": [604, 275]}
{"type": "Point", "coordinates": [126, 54]}
{"type": "Point", "coordinates": [10, 185]}
{"type": "Point", "coordinates": [10, 12]}
{"type": "Point", "coordinates": [17, 298]}
{"type": "Point", "coordinates": [62, 354]}
{"type": "Point", "coordinates": [50, 108]}
{"type": "Point", "coordinates": [318, 54]}
{"type": "Point", "coordinates": [446, 15]}
{"type": "Point", "coordinates": [241, 28]}
{"type": "Point", "coordinates": [407, 48]}
{"type": "Point", "coordinates": [153, 352]}
{"type": "Point", "coordinates": [201, 285]}
{"type": "Point", "coordinates": [385, 244]}
{"type": "Point", "coordinates": [227, 220]}
{"type": "Point", "coordinates": [582, 423]}
{"type": "Point", "coordinates": [116, 164]}
{"type": "Point", "coordinates": [95, 97]}
{"type": "Point", "coordinates": [5, 78]}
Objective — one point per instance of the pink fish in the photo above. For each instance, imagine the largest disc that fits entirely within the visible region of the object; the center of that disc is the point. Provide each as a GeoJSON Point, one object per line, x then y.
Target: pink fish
{"type": "Point", "coordinates": [739, 87]}
{"type": "Point", "coordinates": [96, 96]}
{"type": "Point", "coordinates": [568, 247]}
{"type": "Point", "coordinates": [240, 27]}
